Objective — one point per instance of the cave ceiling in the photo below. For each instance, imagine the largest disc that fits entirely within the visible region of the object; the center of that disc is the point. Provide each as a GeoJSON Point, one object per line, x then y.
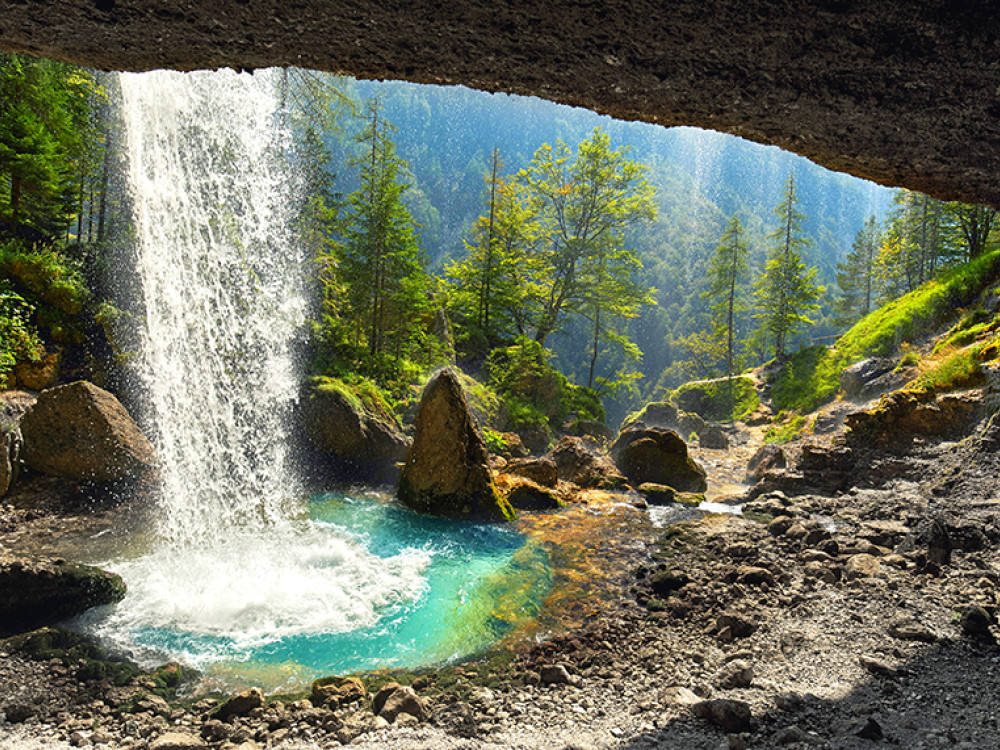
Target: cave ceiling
{"type": "Point", "coordinates": [902, 93]}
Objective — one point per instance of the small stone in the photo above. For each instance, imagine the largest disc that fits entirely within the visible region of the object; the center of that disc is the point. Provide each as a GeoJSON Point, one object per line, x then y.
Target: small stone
{"type": "Point", "coordinates": [242, 704]}
{"type": "Point", "coordinates": [19, 712]}
{"type": "Point", "coordinates": [679, 696]}
{"type": "Point", "coordinates": [908, 629]}
{"type": "Point", "coordinates": [869, 730]}
{"type": "Point", "coordinates": [730, 715]}
{"type": "Point", "coordinates": [790, 735]}
{"type": "Point", "coordinates": [780, 525]}
{"type": "Point", "coordinates": [877, 666]}
{"type": "Point", "coordinates": [404, 700]}
{"type": "Point", "coordinates": [861, 566]}
{"type": "Point", "coordinates": [177, 741]}
{"type": "Point", "coordinates": [738, 673]}
{"type": "Point", "coordinates": [555, 674]}
{"type": "Point", "coordinates": [753, 576]}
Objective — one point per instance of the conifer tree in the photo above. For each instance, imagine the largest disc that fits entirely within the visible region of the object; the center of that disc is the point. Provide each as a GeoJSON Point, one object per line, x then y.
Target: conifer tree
{"type": "Point", "coordinates": [856, 275]}
{"type": "Point", "coordinates": [382, 264]}
{"type": "Point", "coordinates": [727, 273]}
{"type": "Point", "coordinates": [786, 292]}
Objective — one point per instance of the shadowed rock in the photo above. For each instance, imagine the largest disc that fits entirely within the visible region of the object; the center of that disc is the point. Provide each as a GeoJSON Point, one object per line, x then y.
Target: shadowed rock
{"type": "Point", "coordinates": [447, 469]}
{"type": "Point", "coordinates": [82, 432]}
{"type": "Point", "coordinates": [659, 456]}
{"type": "Point", "coordinates": [43, 591]}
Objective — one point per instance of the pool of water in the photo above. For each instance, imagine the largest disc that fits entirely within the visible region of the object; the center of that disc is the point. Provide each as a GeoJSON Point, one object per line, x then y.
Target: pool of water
{"type": "Point", "coordinates": [358, 582]}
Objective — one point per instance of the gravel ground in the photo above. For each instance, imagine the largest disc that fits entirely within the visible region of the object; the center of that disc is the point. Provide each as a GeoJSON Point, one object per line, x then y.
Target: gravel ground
{"type": "Point", "coordinates": [850, 638]}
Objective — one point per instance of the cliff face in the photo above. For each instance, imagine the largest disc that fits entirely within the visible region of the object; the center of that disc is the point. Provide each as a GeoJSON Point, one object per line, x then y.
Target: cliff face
{"type": "Point", "coordinates": [896, 92]}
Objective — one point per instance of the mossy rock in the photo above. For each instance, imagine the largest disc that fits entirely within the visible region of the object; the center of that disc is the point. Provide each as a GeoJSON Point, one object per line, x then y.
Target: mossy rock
{"type": "Point", "coordinates": [710, 399]}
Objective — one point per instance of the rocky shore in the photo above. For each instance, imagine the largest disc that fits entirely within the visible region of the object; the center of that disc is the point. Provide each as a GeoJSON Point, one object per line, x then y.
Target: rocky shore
{"type": "Point", "coordinates": [848, 618]}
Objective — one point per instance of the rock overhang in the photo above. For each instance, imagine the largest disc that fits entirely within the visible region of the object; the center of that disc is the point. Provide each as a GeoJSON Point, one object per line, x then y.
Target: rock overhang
{"type": "Point", "coordinates": [896, 92]}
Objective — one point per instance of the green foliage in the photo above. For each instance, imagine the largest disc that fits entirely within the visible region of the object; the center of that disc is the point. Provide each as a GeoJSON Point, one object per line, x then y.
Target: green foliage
{"type": "Point", "coordinates": [787, 428]}
{"type": "Point", "coordinates": [812, 376]}
{"type": "Point", "coordinates": [961, 369]}
{"type": "Point", "coordinates": [534, 393]}
{"type": "Point", "coordinates": [495, 441]}
{"type": "Point", "coordinates": [785, 291]}
{"type": "Point", "coordinates": [361, 393]}
{"type": "Point", "coordinates": [856, 275]}
{"type": "Point", "coordinates": [711, 399]}
{"type": "Point", "coordinates": [728, 274]}
{"type": "Point", "coordinates": [19, 340]}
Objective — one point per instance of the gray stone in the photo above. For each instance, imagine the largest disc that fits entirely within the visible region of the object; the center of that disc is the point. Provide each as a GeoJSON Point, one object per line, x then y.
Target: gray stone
{"type": "Point", "coordinates": [660, 456]}
{"type": "Point", "coordinates": [729, 715]}
{"type": "Point", "coordinates": [177, 741]}
{"type": "Point", "coordinates": [242, 704]}
{"type": "Point", "coordinates": [403, 700]}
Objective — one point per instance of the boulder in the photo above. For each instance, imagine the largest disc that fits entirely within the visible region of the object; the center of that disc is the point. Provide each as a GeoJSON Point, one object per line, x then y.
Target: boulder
{"type": "Point", "coordinates": [337, 691]}
{"type": "Point", "coordinates": [403, 700]}
{"type": "Point", "coordinates": [660, 456]}
{"type": "Point", "coordinates": [543, 471]}
{"type": "Point", "coordinates": [447, 470]}
{"type": "Point", "coordinates": [580, 462]}
{"type": "Point", "coordinates": [713, 435]}
{"type": "Point", "coordinates": [654, 414]}
{"type": "Point", "coordinates": [42, 591]}
{"type": "Point", "coordinates": [856, 379]}
{"type": "Point", "coordinates": [10, 454]}
{"type": "Point", "coordinates": [82, 432]}
{"type": "Point", "coordinates": [358, 441]}
{"type": "Point", "coordinates": [592, 429]}
{"type": "Point", "coordinates": [177, 741]}
{"type": "Point", "coordinates": [242, 704]}
{"type": "Point", "coordinates": [523, 494]}
{"type": "Point", "coordinates": [658, 494]}
{"type": "Point", "coordinates": [902, 415]}
{"type": "Point", "coordinates": [767, 457]}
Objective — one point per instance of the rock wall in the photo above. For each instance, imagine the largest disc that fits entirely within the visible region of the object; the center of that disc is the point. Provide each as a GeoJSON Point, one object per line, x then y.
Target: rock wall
{"type": "Point", "coordinates": [897, 92]}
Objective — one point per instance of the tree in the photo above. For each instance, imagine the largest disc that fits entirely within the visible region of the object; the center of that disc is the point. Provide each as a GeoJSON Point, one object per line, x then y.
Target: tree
{"type": "Point", "coordinates": [856, 275]}
{"type": "Point", "coordinates": [586, 204]}
{"type": "Point", "coordinates": [975, 224]}
{"type": "Point", "coordinates": [494, 286]}
{"type": "Point", "coordinates": [381, 261]}
{"type": "Point", "coordinates": [786, 291]}
{"type": "Point", "coordinates": [727, 272]}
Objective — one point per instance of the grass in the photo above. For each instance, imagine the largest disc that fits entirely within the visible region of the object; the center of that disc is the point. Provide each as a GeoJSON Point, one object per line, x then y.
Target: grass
{"type": "Point", "coordinates": [788, 428]}
{"type": "Point", "coordinates": [811, 377]}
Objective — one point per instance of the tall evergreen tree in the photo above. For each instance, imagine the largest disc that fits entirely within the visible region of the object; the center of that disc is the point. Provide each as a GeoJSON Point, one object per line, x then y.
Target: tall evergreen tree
{"type": "Point", "coordinates": [727, 273]}
{"type": "Point", "coordinates": [856, 275]}
{"type": "Point", "coordinates": [786, 292]}
{"type": "Point", "coordinates": [382, 264]}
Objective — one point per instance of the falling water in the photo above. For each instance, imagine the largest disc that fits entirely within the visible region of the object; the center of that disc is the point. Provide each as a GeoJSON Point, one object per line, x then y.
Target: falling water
{"type": "Point", "coordinates": [223, 294]}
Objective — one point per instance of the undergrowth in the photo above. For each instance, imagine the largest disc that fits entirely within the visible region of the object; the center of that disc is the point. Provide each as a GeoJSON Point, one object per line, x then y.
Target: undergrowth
{"type": "Point", "coordinates": [811, 376]}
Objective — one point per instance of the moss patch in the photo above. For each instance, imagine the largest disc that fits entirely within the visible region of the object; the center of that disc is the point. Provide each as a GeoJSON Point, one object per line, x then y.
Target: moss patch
{"type": "Point", "coordinates": [788, 428]}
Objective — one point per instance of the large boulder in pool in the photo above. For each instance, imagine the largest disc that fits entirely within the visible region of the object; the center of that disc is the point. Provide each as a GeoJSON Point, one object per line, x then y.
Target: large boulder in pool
{"type": "Point", "coordinates": [660, 456]}
{"type": "Point", "coordinates": [447, 471]}
{"type": "Point", "coordinates": [82, 432]}
{"type": "Point", "coordinates": [42, 591]}
{"type": "Point", "coordinates": [359, 440]}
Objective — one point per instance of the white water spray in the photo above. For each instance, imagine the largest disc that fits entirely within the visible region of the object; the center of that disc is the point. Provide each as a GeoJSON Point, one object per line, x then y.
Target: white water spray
{"type": "Point", "coordinates": [224, 301]}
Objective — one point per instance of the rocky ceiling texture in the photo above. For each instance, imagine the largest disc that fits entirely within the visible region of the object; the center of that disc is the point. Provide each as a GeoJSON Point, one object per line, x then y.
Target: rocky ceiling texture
{"type": "Point", "coordinates": [900, 92]}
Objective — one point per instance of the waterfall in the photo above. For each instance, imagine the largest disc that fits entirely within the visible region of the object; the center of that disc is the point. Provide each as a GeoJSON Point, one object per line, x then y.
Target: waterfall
{"type": "Point", "coordinates": [234, 564]}
{"type": "Point", "coordinates": [223, 294]}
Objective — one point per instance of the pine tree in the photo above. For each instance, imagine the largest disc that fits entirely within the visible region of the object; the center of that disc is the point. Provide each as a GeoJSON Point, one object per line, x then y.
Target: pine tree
{"type": "Point", "coordinates": [786, 292]}
{"type": "Point", "coordinates": [727, 274]}
{"type": "Point", "coordinates": [856, 275]}
{"type": "Point", "coordinates": [382, 264]}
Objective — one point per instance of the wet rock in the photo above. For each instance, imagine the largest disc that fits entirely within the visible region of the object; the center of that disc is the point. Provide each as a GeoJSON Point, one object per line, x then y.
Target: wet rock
{"type": "Point", "coordinates": [42, 591]}
{"type": "Point", "coordinates": [447, 469]}
{"type": "Point", "coordinates": [523, 494]}
{"type": "Point", "coordinates": [766, 458]}
{"type": "Point", "coordinates": [403, 700]}
{"type": "Point", "coordinates": [177, 741]}
{"type": "Point", "coordinates": [543, 471]}
{"type": "Point", "coordinates": [242, 704]}
{"type": "Point", "coordinates": [37, 376]}
{"type": "Point", "coordinates": [355, 439]}
{"type": "Point", "coordinates": [657, 494]}
{"type": "Point", "coordinates": [666, 582]}
{"type": "Point", "coordinates": [382, 695]}
{"type": "Point", "coordinates": [660, 456]}
{"type": "Point", "coordinates": [729, 715]}
{"type": "Point", "coordinates": [581, 463]}
{"type": "Point", "coordinates": [10, 455]}
{"type": "Point", "coordinates": [81, 432]}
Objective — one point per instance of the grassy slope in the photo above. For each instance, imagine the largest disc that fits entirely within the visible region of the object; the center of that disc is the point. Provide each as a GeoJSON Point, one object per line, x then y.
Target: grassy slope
{"type": "Point", "coordinates": [811, 376]}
